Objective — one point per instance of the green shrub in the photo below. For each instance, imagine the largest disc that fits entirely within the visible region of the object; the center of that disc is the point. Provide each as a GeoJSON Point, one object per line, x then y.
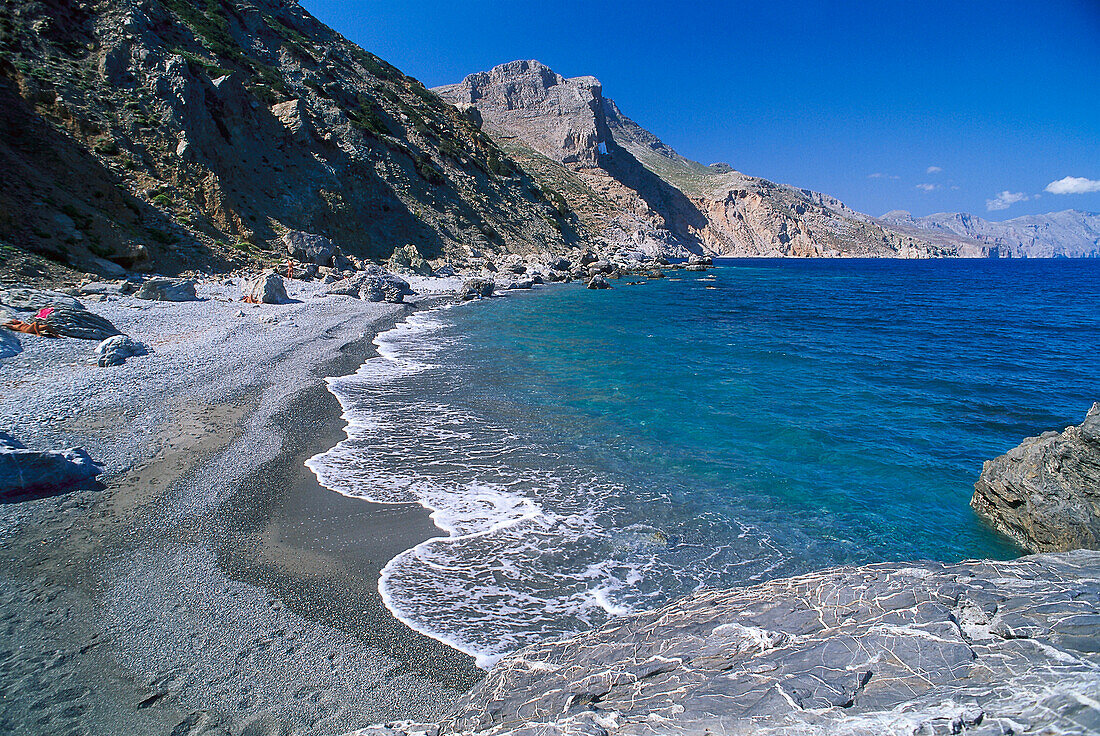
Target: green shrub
{"type": "Point", "coordinates": [163, 201]}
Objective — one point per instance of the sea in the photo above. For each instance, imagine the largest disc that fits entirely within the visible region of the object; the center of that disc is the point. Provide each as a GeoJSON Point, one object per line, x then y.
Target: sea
{"type": "Point", "coordinates": [586, 454]}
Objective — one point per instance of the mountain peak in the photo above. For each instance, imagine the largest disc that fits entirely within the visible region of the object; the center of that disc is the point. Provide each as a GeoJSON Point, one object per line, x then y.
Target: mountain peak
{"type": "Point", "coordinates": [561, 118]}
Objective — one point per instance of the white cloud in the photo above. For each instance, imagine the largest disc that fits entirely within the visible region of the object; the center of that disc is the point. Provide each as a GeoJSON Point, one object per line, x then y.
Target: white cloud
{"type": "Point", "coordinates": [1074, 185]}
{"type": "Point", "coordinates": [933, 170]}
{"type": "Point", "coordinates": [878, 175]}
{"type": "Point", "coordinates": [1004, 200]}
{"type": "Point", "coordinates": [928, 187]}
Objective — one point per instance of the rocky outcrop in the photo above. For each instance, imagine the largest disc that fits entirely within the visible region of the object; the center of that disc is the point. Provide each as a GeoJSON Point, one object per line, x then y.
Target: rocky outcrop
{"type": "Point", "coordinates": [26, 474]}
{"type": "Point", "coordinates": [476, 289]}
{"type": "Point", "coordinates": [1066, 234]}
{"type": "Point", "coordinates": [309, 248]}
{"type": "Point", "coordinates": [558, 117]}
{"type": "Point", "coordinates": [986, 648]}
{"type": "Point", "coordinates": [1045, 493]}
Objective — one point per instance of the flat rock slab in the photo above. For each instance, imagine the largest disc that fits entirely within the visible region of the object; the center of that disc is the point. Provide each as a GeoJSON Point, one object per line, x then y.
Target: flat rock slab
{"type": "Point", "coordinates": [1045, 493]}
{"type": "Point", "coordinates": [927, 648]}
{"type": "Point", "coordinates": [26, 474]}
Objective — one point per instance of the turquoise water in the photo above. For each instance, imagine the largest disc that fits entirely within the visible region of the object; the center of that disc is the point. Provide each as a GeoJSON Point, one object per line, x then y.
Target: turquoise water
{"type": "Point", "coordinates": [589, 453]}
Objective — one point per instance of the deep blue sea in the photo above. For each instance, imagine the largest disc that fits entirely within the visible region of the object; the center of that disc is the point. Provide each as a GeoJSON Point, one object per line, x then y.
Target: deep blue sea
{"type": "Point", "coordinates": [590, 453]}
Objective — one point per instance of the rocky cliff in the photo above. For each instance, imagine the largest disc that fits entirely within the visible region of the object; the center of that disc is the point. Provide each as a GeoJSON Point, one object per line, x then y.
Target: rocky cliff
{"type": "Point", "coordinates": [1066, 234]}
{"type": "Point", "coordinates": [986, 648]}
{"type": "Point", "coordinates": [173, 135]}
{"type": "Point", "coordinates": [1045, 493]}
{"type": "Point", "coordinates": [631, 190]}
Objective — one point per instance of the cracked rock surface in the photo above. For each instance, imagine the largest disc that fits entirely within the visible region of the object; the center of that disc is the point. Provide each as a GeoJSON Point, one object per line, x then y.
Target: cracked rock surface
{"type": "Point", "coordinates": [982, 647]}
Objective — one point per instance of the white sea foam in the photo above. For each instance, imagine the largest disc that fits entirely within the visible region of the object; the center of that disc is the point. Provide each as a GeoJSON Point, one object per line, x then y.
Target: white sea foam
{"type": "Point", "coordinates": [535, 546]}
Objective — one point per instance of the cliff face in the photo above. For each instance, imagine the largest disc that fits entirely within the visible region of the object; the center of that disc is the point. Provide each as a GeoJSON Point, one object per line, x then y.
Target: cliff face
{"type": "Point", "coordinates": [631, 190]}
{"type": "Point", "coordinates": [1045, 493]}
{"type": "Point", "coordinates": [1066, 234]}
{"type": "Point", "coordinates": [924, 648]}
{"type": "Point", "coordinates": [172, 135]}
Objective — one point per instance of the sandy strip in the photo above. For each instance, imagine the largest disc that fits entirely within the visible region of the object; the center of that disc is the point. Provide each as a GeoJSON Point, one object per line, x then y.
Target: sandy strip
{"type": "Point", "coordinates": [212, 583]}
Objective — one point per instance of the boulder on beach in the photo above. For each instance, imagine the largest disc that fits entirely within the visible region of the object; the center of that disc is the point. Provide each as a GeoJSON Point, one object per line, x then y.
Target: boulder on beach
{"type": "Point", "coordinates": [477, 289]}
{"type": "Point", "coordinates": [26, 474]}
{"type": "Point", "coordinates": [522, 284]}
{"type": "Point", "coordinates": [375, 284]}
{"type": "Point", "coordinates": [267, 288]}
{"type": "Point", "coordinates": [598, 282]}
{"type": "Point", "coordinates": [1045, 493]}
{"type": "Point", "coordinates": [32, 300]}
{"type": "Point", "coordinates": [78, 323]}
{"type": "Point", "coordinates": [167, 290]}
{"type": "Point", "coordinates": [115, 350]}
{"type": "Point", "coordinates": [382, 286]}
{"type": "Point", "coordinates": [560, 264]}
{"type": "Point", "coordinates": [695, 267]}
{"type": "Point", "coordinates": [309, 248]}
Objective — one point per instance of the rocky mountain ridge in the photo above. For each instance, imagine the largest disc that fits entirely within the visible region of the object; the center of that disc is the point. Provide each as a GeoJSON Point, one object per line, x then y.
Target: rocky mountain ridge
{"type": "Point", "coordinates": [630, 189]}
{"type": "Point", "coordinates": [1065, 234]}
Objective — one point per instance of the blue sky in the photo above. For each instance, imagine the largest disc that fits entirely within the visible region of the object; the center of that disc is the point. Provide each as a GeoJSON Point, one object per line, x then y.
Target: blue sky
{"type": "Point", "coordinates": [927, 106]}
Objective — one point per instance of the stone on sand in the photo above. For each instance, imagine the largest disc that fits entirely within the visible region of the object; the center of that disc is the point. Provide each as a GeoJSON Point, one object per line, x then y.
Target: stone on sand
{"type": "Point", "coordinates": [267, 288]}
{"type": "Point", "coordinates": [167, 290]}
{"type": "Point", "coordinates": [29, 473]}
{"type": "Point", "coordinates": [115, 350]}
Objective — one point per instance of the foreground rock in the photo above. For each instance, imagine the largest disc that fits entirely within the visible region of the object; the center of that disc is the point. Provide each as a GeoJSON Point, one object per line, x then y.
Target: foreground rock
{"type": "Point", "coordinates": [26, 474]}
{"type": "Point", "coordinates": [1045, 494]}
{"type": "Point", "coordinates": [928, 648]}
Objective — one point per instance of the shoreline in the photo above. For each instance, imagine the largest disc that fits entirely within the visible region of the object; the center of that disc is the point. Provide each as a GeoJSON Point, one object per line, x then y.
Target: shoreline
{"type": "Point", "coordinates": [321, 552]}
{"type": "Point", "coordinates": [176, 599]}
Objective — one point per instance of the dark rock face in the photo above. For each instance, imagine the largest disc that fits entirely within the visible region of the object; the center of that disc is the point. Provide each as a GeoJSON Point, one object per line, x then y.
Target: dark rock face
{"type": "Point", "coordinates": [928, 648]}
{"type": "Point", "coordinates": [1045, 494]}
{"type": "Point", "coordinates": [172, 137]}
